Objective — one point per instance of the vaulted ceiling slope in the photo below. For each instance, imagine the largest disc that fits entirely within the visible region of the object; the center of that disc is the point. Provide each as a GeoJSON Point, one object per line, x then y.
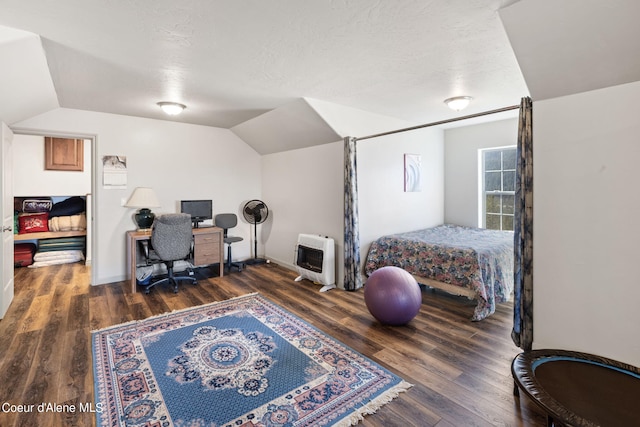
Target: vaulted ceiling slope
{"type": "Point", "coordinates": [26, 88]}
{"type": "Point", "coordinates": [234, 62]}
{"type": "Point", "coordinates": [230, 61]}
{"type": "Point", "coordinates": [572, 46]}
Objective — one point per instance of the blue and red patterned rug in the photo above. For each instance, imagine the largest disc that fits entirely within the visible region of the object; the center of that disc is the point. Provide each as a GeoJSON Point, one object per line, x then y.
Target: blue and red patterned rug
{"type": "Point", "coordinates": [242, 362]}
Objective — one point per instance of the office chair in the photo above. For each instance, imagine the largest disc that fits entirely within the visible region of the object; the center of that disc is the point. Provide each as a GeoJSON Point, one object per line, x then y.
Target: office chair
{"type": "Point", "coordinates": [227, 221]}
{"type": "Point", "coordinates": [171, 239]}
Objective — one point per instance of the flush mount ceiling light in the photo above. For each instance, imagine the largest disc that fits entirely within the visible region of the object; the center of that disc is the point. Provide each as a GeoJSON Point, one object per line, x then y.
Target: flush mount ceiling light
{"type": "Point", "coordinates": [172, 108]}
{"type": "Point", "coordinates": [458, 103]}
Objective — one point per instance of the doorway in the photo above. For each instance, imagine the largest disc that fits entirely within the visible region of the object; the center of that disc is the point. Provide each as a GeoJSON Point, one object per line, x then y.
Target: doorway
{"type": "Point", "coordinates": [32, 179]}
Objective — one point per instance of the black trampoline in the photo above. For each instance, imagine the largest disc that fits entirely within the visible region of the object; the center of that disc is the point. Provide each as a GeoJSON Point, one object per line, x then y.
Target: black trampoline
{"type": "Point", "coordinates": [579, 389]}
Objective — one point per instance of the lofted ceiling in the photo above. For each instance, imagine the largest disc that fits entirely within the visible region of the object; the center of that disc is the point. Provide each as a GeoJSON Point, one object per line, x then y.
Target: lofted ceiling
{"type": "Point", "coordinates": [232, 61]}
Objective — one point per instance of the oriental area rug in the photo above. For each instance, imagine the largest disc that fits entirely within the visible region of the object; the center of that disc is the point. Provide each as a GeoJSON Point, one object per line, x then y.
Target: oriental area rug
{"type": "Point", "coordinates": [241, 362]}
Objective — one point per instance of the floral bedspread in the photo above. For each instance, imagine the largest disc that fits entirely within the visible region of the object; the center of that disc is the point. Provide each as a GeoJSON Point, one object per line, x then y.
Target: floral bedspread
{"type": "Point", "coordinates": [474, 258]}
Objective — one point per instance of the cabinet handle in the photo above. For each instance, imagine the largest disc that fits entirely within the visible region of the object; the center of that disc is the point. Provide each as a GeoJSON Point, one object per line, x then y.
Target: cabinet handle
{"type": "Point", "coordinates": [7, 228]}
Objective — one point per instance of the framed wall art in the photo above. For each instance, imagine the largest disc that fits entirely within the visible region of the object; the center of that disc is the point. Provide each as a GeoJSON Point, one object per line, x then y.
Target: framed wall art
{"type": "Point", "coordinates": [412, 173]}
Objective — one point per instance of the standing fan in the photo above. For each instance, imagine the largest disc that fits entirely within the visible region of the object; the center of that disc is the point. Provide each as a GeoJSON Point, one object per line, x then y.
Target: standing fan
{"type": "Point", "coordinates": [255, 212]}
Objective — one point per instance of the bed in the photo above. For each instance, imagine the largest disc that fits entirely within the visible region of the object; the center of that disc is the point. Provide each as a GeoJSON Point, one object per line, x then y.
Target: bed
{"type": "Point", "coordinates": [473, 262]}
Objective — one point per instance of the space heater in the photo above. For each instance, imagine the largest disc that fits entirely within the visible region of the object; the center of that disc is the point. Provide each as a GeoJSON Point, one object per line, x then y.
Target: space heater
{"type": "Point", "coordinates": [315, 260]}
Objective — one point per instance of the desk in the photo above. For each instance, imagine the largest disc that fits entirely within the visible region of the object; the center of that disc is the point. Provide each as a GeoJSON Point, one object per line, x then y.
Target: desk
{"type": "Point", "coordinates": [207, 249]}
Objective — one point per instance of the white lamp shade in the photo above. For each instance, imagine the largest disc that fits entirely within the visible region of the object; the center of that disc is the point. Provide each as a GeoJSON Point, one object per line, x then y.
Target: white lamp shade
{"type": "Point", "coordinates": [143, 197]}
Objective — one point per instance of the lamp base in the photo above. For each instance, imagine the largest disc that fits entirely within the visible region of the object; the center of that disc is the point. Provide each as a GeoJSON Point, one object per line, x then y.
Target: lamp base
{"type": "Point", "coordinates": [144, 218]}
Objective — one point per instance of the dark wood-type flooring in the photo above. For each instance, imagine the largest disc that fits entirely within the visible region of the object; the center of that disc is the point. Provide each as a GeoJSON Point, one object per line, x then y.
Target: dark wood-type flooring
{"type": "Point", "coordinates": [460, 369]}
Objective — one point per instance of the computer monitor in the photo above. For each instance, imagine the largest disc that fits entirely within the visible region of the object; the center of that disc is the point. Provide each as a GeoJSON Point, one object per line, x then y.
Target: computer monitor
{"type": "Point", "coordinates": [200, 210]}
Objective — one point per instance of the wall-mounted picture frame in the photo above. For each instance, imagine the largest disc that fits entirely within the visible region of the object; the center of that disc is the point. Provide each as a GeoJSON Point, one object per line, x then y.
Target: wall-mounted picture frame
{"type": "Point", "coordinates": [114, 173]}
{"type": "Point", "coordinates": [412, 173]}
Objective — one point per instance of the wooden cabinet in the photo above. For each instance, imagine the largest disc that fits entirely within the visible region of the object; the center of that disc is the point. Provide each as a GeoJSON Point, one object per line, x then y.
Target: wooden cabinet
{"type": "Point", "coordinates": [207, 247]}
{"type": "Point", "coordinates": [63, 154]}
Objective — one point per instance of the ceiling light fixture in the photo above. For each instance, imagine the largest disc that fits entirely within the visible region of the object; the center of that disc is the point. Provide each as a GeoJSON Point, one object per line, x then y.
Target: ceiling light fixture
{"type": "Point", "coordinates": [458, 103]}
{"type": "Point", "coordinates": [172, 108]}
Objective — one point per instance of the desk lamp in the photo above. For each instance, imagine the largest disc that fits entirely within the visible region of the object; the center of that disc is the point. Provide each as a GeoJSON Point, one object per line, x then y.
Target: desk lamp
{"type": "Point", "coordinates": [143, 198]}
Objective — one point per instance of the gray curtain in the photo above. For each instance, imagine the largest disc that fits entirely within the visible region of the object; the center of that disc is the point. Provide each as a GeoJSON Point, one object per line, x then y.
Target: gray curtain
{"type": "Point", "coordinates": [352, 276]}
{"type": "Point", "coordinates": [522, 333]}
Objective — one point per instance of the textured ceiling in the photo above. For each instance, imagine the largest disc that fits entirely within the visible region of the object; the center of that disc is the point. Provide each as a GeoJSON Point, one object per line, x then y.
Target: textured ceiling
{"type": "Point", "coordinates": [230, 60]}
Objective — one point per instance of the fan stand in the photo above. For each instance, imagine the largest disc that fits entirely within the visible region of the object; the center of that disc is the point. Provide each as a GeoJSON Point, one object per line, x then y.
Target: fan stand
{"type": "Point", "coordinates": [255, 260]}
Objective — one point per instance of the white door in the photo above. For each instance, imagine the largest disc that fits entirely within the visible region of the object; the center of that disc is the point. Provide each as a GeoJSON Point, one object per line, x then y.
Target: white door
{"type": "Point", "coordinates": [6, 208]}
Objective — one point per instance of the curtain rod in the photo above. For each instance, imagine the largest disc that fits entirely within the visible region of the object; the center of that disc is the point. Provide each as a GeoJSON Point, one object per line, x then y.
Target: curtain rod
{"type": "Point", "coordinates": [441, 122]}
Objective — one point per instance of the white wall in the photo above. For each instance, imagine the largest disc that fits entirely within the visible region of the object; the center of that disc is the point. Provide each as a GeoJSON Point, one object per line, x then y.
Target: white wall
{"type": "Point", "coordinates": [179, 161]}
{"type": "Point", "coordinates": [304, 191]}
{"type": "Point", "coordinates": [586, 233]}
{"type": "Point", "coordinates": [31, 179]}
{"type": "Point", "coordinates": [305, 188]}
{"type": "Point", "coordinates": [461, 166]}
{"type": "Point", "coordinates": [384, 206]}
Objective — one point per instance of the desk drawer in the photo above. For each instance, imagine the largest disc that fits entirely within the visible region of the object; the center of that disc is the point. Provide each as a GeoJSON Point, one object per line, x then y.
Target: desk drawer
{"type": "Point", "coordinates": [206, 253]}
{"type": "Point", "coordinates": [209, 238]}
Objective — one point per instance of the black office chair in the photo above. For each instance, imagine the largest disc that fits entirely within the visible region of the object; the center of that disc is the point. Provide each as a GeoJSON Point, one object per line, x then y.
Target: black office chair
{"type": "Point", "coordinates": [227, 221]}
{"type": "Point", "coordinates": [171, 239]}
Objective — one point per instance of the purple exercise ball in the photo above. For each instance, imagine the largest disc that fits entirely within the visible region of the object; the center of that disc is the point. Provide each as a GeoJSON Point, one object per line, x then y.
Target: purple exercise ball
{"type": "Point", "coordinates": [392, 296]}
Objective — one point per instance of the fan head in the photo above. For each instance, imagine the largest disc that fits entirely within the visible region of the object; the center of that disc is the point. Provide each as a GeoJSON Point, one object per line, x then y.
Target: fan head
{"type": "Point", "coordinates": [255, 211]}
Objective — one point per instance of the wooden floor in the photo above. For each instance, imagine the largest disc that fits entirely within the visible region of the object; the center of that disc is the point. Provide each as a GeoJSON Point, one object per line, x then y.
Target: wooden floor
{"type": "Point", "coordinates": [460, 369]}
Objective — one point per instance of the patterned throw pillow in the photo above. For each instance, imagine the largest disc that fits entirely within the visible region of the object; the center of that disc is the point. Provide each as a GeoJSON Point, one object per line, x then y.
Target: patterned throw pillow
{"type": "Point", "coordinates": [36, 205]}
{"type": "Point", "coordinates": [33, 223]}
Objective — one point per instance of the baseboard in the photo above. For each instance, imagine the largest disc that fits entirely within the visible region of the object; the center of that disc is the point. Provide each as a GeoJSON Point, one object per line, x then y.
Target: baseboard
{"type": "Point", "coordinates": [284, 264]}
{"type": "Point", "coordinates": [292, 267]}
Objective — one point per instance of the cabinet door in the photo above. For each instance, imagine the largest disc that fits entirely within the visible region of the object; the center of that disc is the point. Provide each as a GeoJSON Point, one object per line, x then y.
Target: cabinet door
{"type": "Point", "coordinates": [63, 154]}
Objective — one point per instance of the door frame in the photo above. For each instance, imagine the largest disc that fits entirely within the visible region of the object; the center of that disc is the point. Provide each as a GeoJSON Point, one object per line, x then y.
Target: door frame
{"type": "Point", "coordinates": [94, 196]}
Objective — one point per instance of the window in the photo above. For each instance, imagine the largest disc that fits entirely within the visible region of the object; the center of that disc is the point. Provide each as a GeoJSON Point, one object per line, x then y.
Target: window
{"type": "Point", "coordinates": [498, 187]}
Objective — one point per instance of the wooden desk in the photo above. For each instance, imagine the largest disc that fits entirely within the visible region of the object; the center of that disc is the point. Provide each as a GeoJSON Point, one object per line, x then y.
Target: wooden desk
{"type": "Point", "coordinates": [207, 249]}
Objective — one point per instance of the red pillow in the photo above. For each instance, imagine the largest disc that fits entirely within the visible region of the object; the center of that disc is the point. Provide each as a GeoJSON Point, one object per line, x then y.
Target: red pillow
{"type": "Point", "coordinates": [33, 223]}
